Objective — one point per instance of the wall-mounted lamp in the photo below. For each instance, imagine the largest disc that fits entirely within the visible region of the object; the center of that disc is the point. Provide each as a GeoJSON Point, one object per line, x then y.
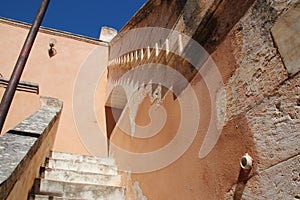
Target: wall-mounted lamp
{"type": "Point", "coordinates": [52, 51]}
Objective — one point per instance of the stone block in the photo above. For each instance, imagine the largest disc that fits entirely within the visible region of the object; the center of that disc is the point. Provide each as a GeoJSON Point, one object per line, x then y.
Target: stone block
{"type": "Point", "coordinates": [281, 181]}
{"type": "Point", "coordinates": [286, 35]}
{"type": "Point", "coordinates": [107, 34]}
{"type": "Point", "coordinates": [275, 124]}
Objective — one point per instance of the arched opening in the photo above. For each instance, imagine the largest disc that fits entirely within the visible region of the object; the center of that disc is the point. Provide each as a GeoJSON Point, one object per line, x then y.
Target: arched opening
{"type": "Point", "coordinates": [114, 107]}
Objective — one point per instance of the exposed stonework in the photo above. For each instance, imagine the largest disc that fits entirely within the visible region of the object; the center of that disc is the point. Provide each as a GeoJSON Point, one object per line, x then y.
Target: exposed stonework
{"type": "Point", "coordinates": [275, 124]}
{"type": "Point", "coordinates": [133, 189]}
{"type": "Point", "coordinates": [260, 68]}
{"type": "Point", "coordinates": [281, 181]}
{"type": "Point", "coordinates": [271, 102]}
{"type": "Point", "coordinates": [286, 35]}
{"type": "Point", "coordinates": [138, 191]}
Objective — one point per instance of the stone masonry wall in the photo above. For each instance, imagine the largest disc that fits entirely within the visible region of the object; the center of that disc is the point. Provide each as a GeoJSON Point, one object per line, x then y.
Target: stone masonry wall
{"type": "Point", "coordinates": [262, 89]}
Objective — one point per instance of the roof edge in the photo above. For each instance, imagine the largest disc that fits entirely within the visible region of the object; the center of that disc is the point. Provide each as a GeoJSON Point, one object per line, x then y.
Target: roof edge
{"type": "Point", "coordinates": [54, 32]}
{"type": "Point", "coordinates": [140, 14]}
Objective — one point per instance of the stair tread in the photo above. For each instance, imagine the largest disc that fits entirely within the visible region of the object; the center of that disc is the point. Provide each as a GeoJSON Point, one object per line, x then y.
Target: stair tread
{"type": "Point", "coordinates": [78, 190]}
{"type": "Point", "coordinates": [80, 177]}
{"type": "Point", "coordinates": [47, 197]}
{"type": "Point", "coordinates": [77, 165]}
{"type": "Point", "coordinates": [82, 158]}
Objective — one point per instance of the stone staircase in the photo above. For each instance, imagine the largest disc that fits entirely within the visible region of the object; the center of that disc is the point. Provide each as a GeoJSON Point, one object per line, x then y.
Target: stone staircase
{"type": "Point", "coordinates": [70, 176]}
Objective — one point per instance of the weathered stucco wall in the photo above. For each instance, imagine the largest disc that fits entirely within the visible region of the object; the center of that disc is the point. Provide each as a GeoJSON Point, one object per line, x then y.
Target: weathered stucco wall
{"type": "Point", "coordinates": [56, 77]}
{"type": "Point", "coordinates": [261, 111]}
{"type": "Point", "coordinates": [255, 48]}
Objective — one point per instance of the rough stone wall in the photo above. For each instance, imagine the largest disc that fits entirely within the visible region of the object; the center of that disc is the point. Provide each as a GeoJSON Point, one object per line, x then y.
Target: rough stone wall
{"type": "Point", "coordinates": [275, 124]}
{"type": "Point", "coordinates": [262, 89]}
{"type": "Point", "coordinates": [260, 69]}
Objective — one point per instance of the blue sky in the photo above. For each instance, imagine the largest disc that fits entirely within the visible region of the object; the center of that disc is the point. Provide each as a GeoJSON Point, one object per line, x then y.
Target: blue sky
{"type": "Point", "coordinates": [84, 17]}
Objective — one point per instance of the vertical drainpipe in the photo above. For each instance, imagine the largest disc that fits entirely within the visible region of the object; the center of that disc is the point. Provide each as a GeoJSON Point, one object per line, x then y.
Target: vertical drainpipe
{"type": "Point", "coordinates": [19, 67]}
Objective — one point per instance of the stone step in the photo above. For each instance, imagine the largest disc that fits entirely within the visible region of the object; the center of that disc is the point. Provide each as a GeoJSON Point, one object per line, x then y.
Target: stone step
{"type": "Point", "coordinates": [82, 158]}
{"type": "Point", "coordinates": [47, 197]}
{"type": "Point", "coordinates": [80, 177]}
{"type": "Point", "coordinates": [78, 190]}
{"type": "Point", "coordinates": [76, 165]}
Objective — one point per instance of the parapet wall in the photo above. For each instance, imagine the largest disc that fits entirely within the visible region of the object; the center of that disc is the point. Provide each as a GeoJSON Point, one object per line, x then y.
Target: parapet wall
{"type": "Point", "coordinates": [24, 149]}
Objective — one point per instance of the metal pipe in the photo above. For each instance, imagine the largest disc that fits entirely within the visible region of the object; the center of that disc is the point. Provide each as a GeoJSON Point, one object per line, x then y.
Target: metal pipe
{"type": "Point", "coordinates": [19, 67]}
{"type": "Point", "coordinates": [246, 162]}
